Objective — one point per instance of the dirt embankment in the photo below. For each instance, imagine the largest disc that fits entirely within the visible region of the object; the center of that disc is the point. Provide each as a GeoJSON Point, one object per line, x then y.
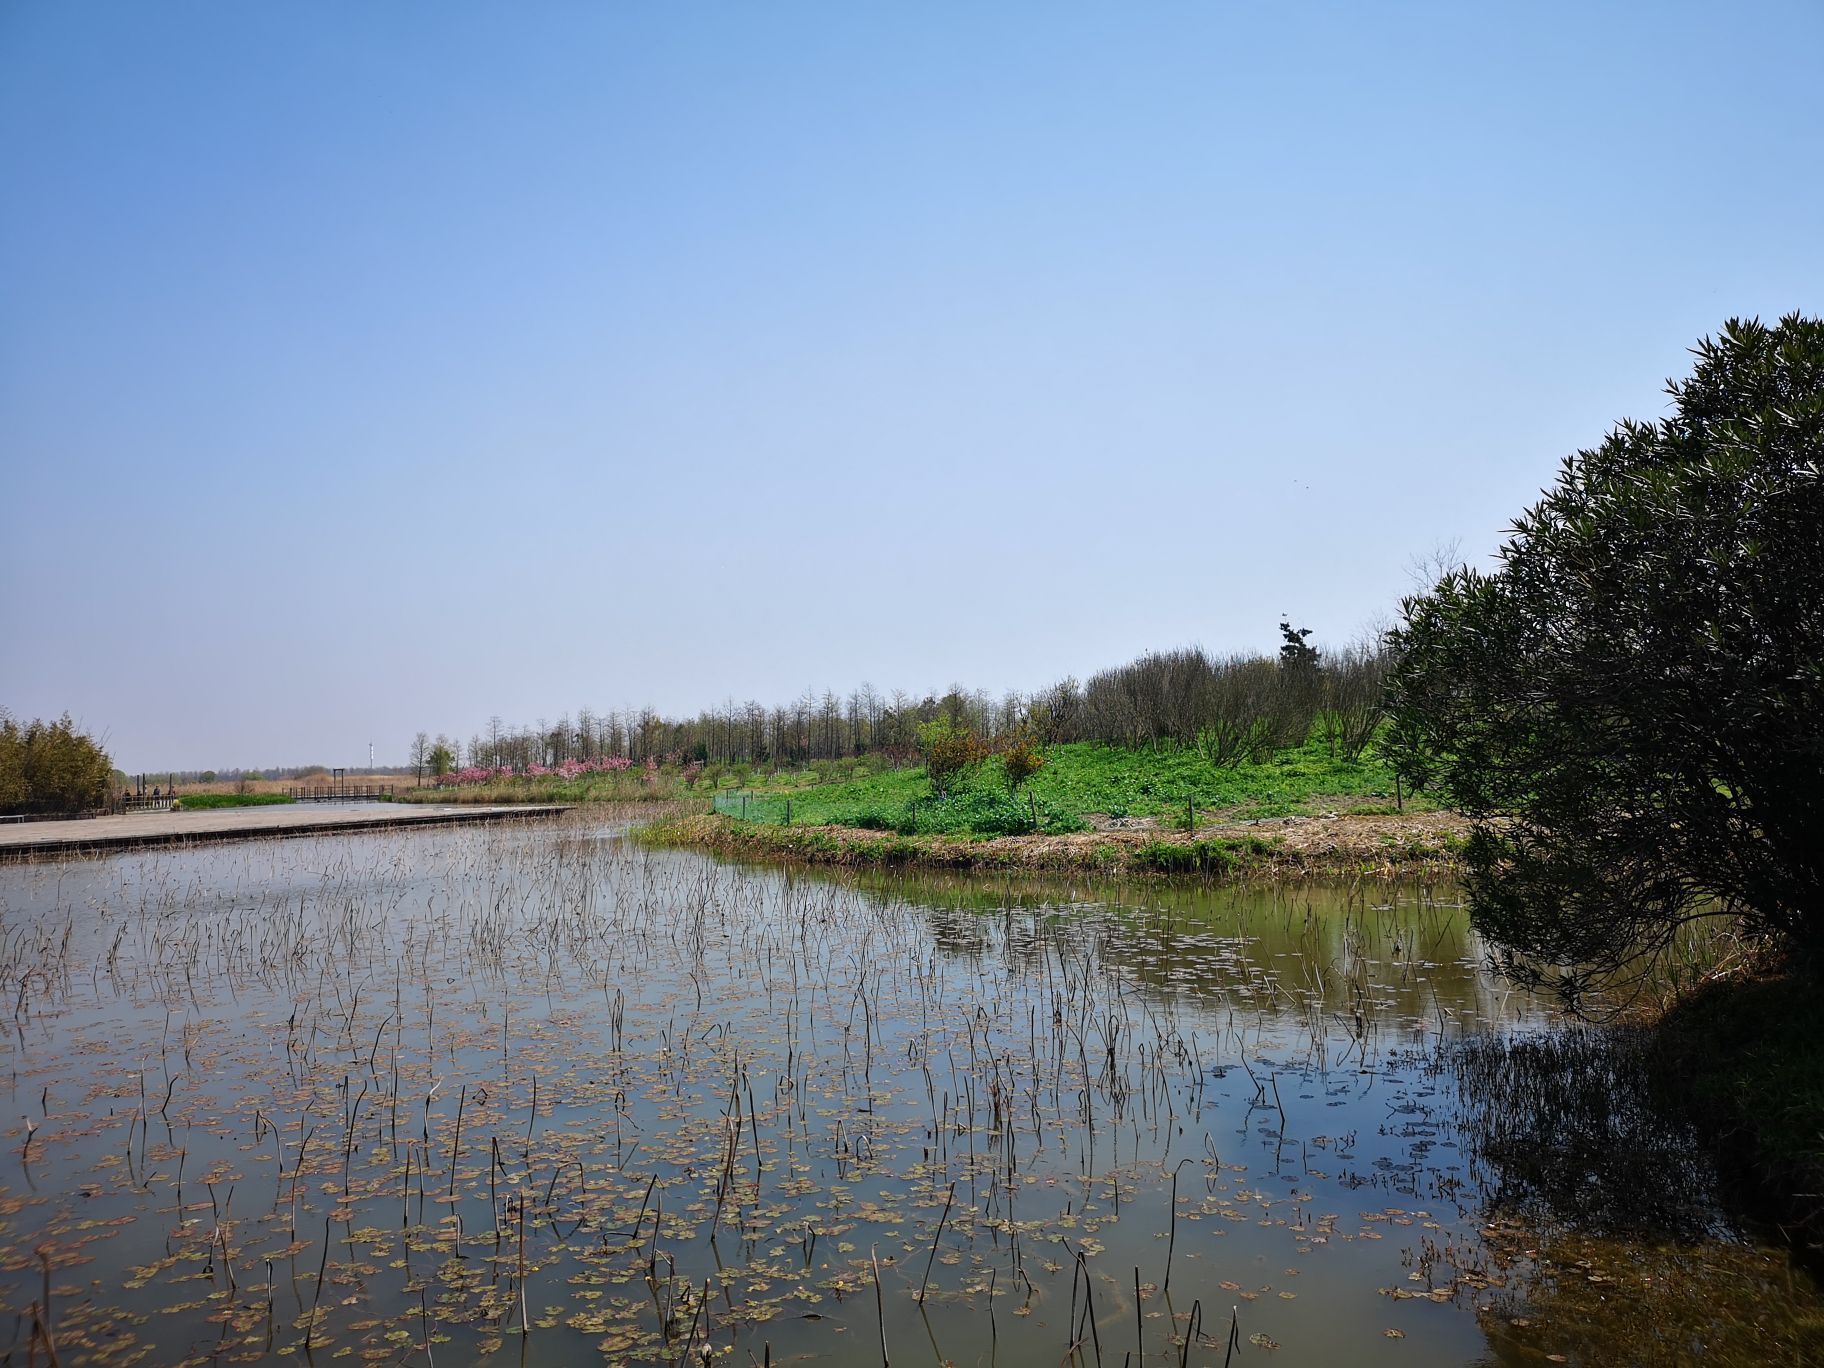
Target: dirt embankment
{"type": "Point", "coordinates": [1340, 844]}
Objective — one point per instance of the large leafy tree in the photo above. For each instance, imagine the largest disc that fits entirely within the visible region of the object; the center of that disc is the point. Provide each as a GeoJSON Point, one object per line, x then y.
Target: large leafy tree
{"type": "Point", "coordinates": [1631, 705]}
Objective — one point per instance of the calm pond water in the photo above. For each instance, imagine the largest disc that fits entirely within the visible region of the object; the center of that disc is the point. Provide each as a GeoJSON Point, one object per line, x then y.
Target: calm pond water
{"type": "Point", "coordinates": [536, 1095]}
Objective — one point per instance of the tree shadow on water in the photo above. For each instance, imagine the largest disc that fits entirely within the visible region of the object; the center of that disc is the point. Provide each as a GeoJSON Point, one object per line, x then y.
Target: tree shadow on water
{"type": "Point", "coordinates": [1610, 1237]}
{"type": "Point", "coordinates": [1568, 1128]}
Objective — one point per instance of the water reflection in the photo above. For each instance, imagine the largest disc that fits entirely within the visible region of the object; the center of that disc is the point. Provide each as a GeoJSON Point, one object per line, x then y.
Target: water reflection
{"type": "Point", "coordinates": [1567, 1128]}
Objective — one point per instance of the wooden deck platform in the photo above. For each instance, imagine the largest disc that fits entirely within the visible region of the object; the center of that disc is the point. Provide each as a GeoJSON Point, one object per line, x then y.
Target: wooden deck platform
{"type": "Point", "coordinates": [137, 830]}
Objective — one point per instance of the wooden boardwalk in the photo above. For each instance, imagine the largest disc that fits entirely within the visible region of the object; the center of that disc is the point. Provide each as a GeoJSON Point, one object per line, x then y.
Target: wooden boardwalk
{"type": "Point", "coordinates": [137, 830]}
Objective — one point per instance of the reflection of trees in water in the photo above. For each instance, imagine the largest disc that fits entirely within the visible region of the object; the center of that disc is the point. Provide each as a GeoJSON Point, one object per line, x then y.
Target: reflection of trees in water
{"type": "Point", "coordinates": [1592, 1214]}
{"type": "Point", "coordinates": [1352, 955]}
{"type": "Point", "coordinates": [1607, 1238]}
{"type": "Point", "coordinates": [1567, 1127]}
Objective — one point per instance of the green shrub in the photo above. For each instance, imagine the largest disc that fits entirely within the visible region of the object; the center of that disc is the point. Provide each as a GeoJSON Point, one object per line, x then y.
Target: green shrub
{"type": "Point", "coordinates": [950, 753]}
{"type": "Point", "coordinates": [1021, 756]}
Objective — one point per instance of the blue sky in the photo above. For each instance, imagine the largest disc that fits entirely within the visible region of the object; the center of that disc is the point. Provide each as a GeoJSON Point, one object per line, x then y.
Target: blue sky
{"type": "Point", "coordinates": [369, 368]}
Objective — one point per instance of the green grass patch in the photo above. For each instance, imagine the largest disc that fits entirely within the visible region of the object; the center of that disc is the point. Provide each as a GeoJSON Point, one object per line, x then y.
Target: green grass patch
{"type": "Point", "coordinates": [1079, 780]}
{"type": "Point", "coordinates": [202, 802]}
{"type": "Point", "coordinates": [1086, 778]}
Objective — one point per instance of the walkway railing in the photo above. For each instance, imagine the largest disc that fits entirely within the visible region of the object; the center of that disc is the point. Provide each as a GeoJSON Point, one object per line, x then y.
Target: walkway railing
{"type": "Point", "coordinates": [341, 793]}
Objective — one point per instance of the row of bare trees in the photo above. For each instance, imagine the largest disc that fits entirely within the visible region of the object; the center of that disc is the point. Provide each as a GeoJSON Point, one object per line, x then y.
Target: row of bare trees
{"type": "Point", "coordinates": [812, 727]}
{"type": "Point", "coordinates": [1233, 708]}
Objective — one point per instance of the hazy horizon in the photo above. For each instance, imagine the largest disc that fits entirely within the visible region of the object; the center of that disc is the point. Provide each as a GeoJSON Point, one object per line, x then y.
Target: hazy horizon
{"type": "Point", "coordinates": [367, 371]}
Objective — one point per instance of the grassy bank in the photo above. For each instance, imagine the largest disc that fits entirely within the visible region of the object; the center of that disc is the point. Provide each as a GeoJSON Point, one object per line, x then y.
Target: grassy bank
{"type": "Point", "coordinates": [1342, 847]}
{"type": "Point", "coordinates": [1083, 786]}
{"type": "Point", "coordinates": [199, 802]}
{"type": "Point", "coordinates": [1742, 1054]}
{"type": "Point", "coordinates": [1090, 808]}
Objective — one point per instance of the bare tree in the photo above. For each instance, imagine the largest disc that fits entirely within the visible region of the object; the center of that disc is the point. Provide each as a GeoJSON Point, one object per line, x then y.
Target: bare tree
{"type": "Point", "coordinates": [1424, 570]}
{"type": "Point", "coordinates": [1355, 692]}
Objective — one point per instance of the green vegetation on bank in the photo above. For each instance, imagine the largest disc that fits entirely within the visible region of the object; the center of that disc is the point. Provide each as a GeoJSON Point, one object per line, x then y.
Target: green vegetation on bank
{"type": "Point", "coordinates": [197, 802]}
{"type": "Point", "coordinates": [1154, 784]}
{"type": "Point", "coordinates": [1079, 780]}
{"type": "Point", "coordinates": [1110, 853]}
{"type": "Point", "coordinates": [1200, 857]}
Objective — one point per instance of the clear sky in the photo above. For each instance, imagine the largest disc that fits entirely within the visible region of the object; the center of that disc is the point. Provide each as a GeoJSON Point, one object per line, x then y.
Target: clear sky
{"type": "Point", "coordinates": [367, 368]}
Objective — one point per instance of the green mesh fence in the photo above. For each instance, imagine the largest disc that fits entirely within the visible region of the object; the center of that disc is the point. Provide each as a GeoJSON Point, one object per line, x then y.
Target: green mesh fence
{"type": "Point", "coordinates": [769, 810]}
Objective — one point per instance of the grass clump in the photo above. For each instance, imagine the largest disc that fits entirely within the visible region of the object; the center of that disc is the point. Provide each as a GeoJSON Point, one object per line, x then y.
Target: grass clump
{"type": "Point", "coordinates": [1199, 857]}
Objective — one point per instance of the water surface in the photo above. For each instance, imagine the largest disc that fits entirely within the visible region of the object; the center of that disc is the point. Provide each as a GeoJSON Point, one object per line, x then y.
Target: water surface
{"type": "Point", "coordinates": [533, 1094]}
